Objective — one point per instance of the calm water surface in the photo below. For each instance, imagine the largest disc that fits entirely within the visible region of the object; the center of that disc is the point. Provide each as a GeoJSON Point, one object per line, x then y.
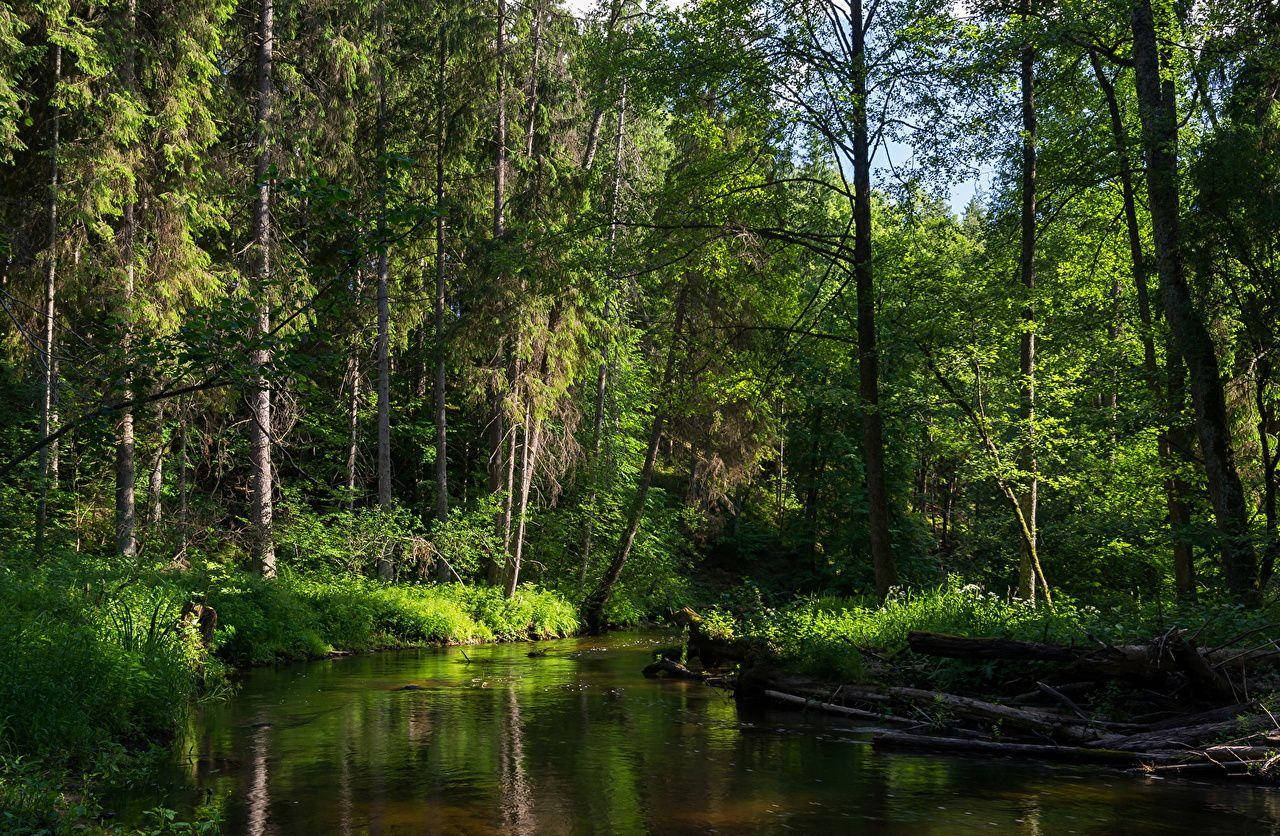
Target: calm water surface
{"type": "Point", "coordinates": [576, 741]}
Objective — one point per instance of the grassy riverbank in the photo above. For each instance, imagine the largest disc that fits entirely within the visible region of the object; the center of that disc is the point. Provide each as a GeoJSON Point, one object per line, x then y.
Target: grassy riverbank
{"type": "Point", "coordinates": [98, 666]}
{"type": "Point", "coordinates": [845, 639]}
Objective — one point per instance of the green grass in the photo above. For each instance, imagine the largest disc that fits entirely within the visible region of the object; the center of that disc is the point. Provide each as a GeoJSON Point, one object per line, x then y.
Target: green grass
{"type": "Point", "coordinates": [97, 664]}
{"type": "Point", "coordinates": [303, 616]}
{"type": "Point", "coordinates": [825, 636]}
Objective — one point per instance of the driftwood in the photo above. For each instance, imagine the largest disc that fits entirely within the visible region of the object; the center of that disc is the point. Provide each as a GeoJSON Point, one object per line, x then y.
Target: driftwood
{"type": "Point", "coordinates": [665, 667]}
{"type": "Point", "coordinates": [1186, 736]}
{"type": "Point", "coordinates": [1150, 662]}
{"type": "Point", "coordinates": [753, 683]}
{"type": "Point", "coordinates": [832, 708]}
{"type": "Point", "coordinates": [1052, 722]}
{"type": "Point", "coordinates": [1075, 754]}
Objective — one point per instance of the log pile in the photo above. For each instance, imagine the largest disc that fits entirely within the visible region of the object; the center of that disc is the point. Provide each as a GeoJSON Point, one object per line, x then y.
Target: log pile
{"type": "Point", "coordinates": [1173, 707]}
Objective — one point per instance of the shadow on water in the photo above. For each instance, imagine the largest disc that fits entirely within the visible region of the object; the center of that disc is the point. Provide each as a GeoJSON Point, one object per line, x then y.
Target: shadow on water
{"type": "Point", "coordinates": [575, 741]}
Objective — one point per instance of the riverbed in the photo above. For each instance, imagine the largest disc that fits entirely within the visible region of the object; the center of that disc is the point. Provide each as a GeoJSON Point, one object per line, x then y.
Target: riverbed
{"type": "Point", "coordinates": [573, 740]}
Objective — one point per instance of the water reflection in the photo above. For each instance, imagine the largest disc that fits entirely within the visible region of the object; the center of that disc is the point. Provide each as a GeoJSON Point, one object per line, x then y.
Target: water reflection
{"type": "Point", "coordinates": [578, 742]}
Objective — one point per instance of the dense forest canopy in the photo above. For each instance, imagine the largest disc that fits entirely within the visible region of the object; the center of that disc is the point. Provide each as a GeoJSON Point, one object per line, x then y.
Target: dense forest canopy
{"type": "Point", "coordinates": [636, 299]}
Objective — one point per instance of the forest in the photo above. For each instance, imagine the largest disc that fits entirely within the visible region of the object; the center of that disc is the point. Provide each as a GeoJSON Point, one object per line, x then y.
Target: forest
{"type": "Point", "coordinates": [865, 341]}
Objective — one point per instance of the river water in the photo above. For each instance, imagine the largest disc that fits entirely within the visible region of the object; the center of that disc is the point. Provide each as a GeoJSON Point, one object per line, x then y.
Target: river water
{"type": "Point", "coordinates": [576, 741]}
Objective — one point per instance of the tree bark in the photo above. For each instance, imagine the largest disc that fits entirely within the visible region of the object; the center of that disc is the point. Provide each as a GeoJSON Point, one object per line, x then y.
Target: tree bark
{"type": "Point", "coordinates": [384, 302]}
{"type": "Point", "coordinates": [183, 518]}
{"type": "Point", "coordinates": [1270, 463]}
{"type": "Point", "coordinates": [260, 397]}
{"type": "Point", "coordinates": [603, 374]}
{"type": "Point", "coordinates": [48, 466]}
{"type": "Point", "coordinates": [1195, 344]}
{"type": "Point", "coordinates": [441, 417]}
{"type": "Point", "coordinates": [498, 459]}
{"type": "Point", "coordinates": [353, 416]}
{"type": "Point", "coordinates": [1029, 569]}
{"type": "Point", "coordinates": [126, 507]}
{"type": "Point", "coordinates": [593, 607]}
{"type": "Point", "coordinates": [155, 480]}
{"type": "Point", "coordinates": [528, 462]}
{"type": "Point", "coordinates": [868, 359]}
{"type": "Point", "coordinates": [597, 115]}
{"type": "Point", "coordinates": [1176, 491]}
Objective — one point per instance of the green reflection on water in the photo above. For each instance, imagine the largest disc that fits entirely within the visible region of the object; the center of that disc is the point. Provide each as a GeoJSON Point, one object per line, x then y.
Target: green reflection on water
{"type": "Point", "coordinates": [578, 742]}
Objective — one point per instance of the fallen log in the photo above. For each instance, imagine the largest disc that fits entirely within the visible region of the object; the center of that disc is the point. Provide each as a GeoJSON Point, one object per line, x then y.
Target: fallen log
{"type": "Point", "coordinates": [1188, 736]}
{"type": "Point", "coordinates": [832, 708]}
{"type": "Point", "coordinates": [964, 647]}
{"type": "Point", "coordinates": [1136, 661]}
{"type": "Point", "coordinates": [1037, 721]}
{"type": "Point", "coordinates": [1074, 754]}
{"type": "Point", "coordinates": [1229, 712]}
{"type": "Point", "coordinates": [752, 683]}
{"type": "Point", "coordinates": [1206, 680]}
{"type": "Point", "coordinates": [665, 667]}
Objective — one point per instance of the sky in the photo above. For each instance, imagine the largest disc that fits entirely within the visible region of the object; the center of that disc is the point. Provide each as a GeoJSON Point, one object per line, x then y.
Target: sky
{"type": "Point", "coordinates": [893, 151]}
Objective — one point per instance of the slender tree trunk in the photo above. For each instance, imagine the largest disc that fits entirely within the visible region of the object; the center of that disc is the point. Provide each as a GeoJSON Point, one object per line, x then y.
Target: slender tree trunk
{"type": "Point", "coordinates": [603, 374]}
{"type": "Point", "coordinates": [441, 417]}
{"type": "Point", "coordinates": [385, 566]}
{"type": "Point", "coordinates": [779, 488]}
{"type": "Point", "coordinates": [1195, 344]}
{"type": "Point", "coordinates": [1177, 445]}
{"type": "Point", "coordinates": [497, 425]}
{"type": "Point", "coordinates": [353, 419]}
{"type": "Point", "coordinates": [593, 606]}
{"type": "Point", "coordinates": [48, 416]}
{"type": "Point", "coordinates": [126, 508]}
{"type": "Point", "coordinates": [534, 62]}
{"type": "Point", "coordinates": [497, 457]}
{"type": "Point", "coordinates": [1029, 500]}
{"type": "Point", "coordinates": [1270, 462]}
{"type": "Point", "coordinates": [509, 499]}
{"type": "Point", "coordinates": [868, 358]}
{"type": "Point", "coordinates": [529, 458]}
{"type": "Point", "coordinates": [155, 481]}
{"type": "Point", "coordinates": [1176, 491]}
{"type": "Point", "coordinates": [264, 551]}
{"type": "Point", "coordinates": [183, 519]}
{"type": "Point", "coordinates": [597, 115]}
{"type": "Point", "coordinates": [816, 465]}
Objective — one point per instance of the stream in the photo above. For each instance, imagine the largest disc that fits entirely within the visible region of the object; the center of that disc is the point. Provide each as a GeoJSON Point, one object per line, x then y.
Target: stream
{"type": "Point", "coordinates": [577, 741]}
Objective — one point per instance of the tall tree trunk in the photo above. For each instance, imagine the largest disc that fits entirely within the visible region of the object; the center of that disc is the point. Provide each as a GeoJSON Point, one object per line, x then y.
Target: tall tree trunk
{"type": "Point", "coordinates": [1028, 571]}
{"type": "Point", "coordinates": [441, 418]}
{"type": "Point", "coordinates": [603, 373]}
{"type": "Point", "coordinates": [1176, 491]}
{"type": "Point", "coordinates": [528, 462]}
{"type": "Point", "coordinates": [868, 358]}
{"type": "Point", "coordinates": [534, 62]}
{"type": "Point", "coordinates": [126, 508]}
{"type": "Point", "coordinates": [498, 459]}
{"type": "Point", "coordinates": [509, 497]}
{"type": "Point", "coordinates": [384, 303]}
{"type": "Point", "coordinates": [1195, 344]}
{"type": "Point", "coordinates": [385, 567]}
{"type": "Point", "coordinates": [155, 480]}
{"type": "Point", "coordinates": [1270, 464]}
{"type": "Point", "coordinates": [48, 466]}
{"type": "Point", "coordinates": [597, 115]}
{"type": "Point", "coordinates": [264, 551]}
{"type": "Point", "coordinates": [593, 606]}
{"type": "Point", "coordinates": [183, 519]}
{"type": "Point", "coordinates": [353, 419]}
